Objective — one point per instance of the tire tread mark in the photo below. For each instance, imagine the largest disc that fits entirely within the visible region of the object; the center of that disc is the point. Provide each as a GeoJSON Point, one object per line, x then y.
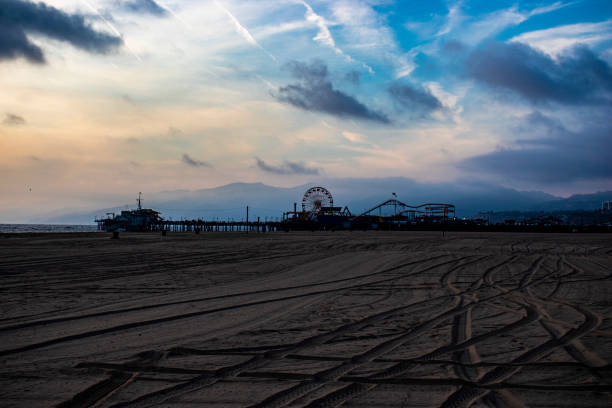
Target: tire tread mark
{"type": "Point", "coordinates": [467, 395]}
{"type": "Point", "coordinates": [298, 391]}
{"type": "Point", "coordinates": [100, 391]}
{"type": "Point", "coordinates": [198, 300]}
{"type": "Point", "coordinates": [338, 397]}
{"type": "Point", "coordinates": [202, 381]}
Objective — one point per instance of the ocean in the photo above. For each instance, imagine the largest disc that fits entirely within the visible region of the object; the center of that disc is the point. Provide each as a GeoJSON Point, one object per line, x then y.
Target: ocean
{"type": "Point", "coordinates": [17, 228]}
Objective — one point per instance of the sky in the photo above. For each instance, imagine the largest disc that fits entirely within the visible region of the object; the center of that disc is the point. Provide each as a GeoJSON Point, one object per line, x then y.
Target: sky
{"type": "Point", "coordinates": [105, 98]}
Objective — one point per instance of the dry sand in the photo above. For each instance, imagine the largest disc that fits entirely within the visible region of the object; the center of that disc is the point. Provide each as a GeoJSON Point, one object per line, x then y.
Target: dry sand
{"type": "Point", "coordinates": [305, 319]}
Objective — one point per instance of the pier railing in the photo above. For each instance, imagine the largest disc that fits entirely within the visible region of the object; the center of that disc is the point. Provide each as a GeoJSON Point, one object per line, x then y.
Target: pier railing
{"type": "Point", "coordinates": [214, 226]}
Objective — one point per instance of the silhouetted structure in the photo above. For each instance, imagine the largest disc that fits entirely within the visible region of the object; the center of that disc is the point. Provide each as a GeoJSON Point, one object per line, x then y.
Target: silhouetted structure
{"type": "Point", "coordinates": [318, 212]}
{"type": "Point", "coordinates": [392, 214]}
{"type": "Point", "coordinates": [139, 220]}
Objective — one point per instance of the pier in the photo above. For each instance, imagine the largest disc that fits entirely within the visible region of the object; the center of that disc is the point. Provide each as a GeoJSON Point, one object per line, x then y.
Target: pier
{"type": "Point", "coordinates": [215, 226]}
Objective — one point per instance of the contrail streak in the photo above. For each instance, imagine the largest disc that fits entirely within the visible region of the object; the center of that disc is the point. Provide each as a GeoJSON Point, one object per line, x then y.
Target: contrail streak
{"type": "Point", "coordinates": [324, 35]}
{"type": "Point", "coordinates": [169, 10]}
{"type": "Point", "coordinates": [268, 83]}
{"type": "Point", "coordinates": [112, 27]}
{"type": "Point", "coordinates": [243, 31]}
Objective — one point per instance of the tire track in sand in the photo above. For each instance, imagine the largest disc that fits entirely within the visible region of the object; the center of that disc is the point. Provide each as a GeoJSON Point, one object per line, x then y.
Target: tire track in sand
{"type": "Point", "coordinates": [205, 299]}
{"type": "Point", "coordinates": [205, 380]}
{"type": "Point", "coordinates": [338, 397]}
{"type": "Point", "coordinates": [467, 395]}
{"type": "Point", "coordinates": [301, 390]}
{"type": "Point", "coordinates": [166, 319]}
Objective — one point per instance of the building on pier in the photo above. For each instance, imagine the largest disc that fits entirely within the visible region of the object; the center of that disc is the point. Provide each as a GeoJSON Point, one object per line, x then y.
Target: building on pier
{"type": "Point", "coordinates": [139, 220]}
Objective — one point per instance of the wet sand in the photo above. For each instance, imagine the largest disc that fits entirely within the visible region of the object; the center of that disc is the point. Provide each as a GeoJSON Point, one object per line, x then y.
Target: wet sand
{"type": "Point", "coordinates": [361, 319]}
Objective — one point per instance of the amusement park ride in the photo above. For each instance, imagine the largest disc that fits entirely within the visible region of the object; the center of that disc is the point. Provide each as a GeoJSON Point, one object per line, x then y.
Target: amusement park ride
{"type": "Point", "coordinates": [317, 213]}
{"type": "Point", "coordinates": [317, 204]}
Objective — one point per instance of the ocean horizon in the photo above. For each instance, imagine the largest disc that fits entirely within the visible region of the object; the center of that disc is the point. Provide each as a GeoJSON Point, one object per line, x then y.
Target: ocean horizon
{"type": "Point", "coordinates": [22, 228]}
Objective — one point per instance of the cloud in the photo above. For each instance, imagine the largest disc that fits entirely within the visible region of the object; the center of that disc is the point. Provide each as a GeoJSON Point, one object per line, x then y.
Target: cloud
{"type": "Point", "coordinates": [325, 37]}
{"type": "Point", "coordinates": [576, 77]}
{"type": "Point", "coordinates": [550, 153]}
{"type": "Point", "coordinates": [316, 93]}
{"type": "Point", "coordinates": [453, 47]}
{"type": "Point", "coordinates": [353, 76]}
{"type": "Point", "coordinates": [413, 98]}
{"type": "Point", "coordinates": [244, 33]}
{"type": "Point", "coordinates": [15, 44]}
{"type": "Point", "coordinates": [190, 161]}
{"type": "Point", "coordinates": [18, 17]}
{"type": "Point", "coordinates": [287, 167]}
{"type": "Point", "coordinates": [353, 137]}
{"type": "Point", "coordinates": [476, 28]}
{"type": "Point", "coordinates": [144, 6]}
{"type": "Point", "coordinates": [554, 41]}
{"type": "Point", "coordinates": [453, 19]}
{"type": "Point", "coordinates": [11, 119]}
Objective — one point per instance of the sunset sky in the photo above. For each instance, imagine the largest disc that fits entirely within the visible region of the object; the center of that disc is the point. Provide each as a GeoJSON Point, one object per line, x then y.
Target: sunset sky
{"type": "Point", "coordinates": [105, 98]}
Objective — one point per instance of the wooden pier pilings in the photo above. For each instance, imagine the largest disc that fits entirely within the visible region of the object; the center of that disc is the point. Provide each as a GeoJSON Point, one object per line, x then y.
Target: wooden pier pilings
{"type": "Point", "coordinates": [215, 226]}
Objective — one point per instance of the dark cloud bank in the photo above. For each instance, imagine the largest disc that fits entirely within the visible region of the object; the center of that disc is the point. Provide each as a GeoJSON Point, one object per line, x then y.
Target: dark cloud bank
{"type": "Point", "coordinates": [287, 167]}
{"type": "Point", "coordinates": [577, 85]}
{"type": "Point", "coordinates": [577, 77]}
{"type": "Point", "coordinates": [315, 92]}
{"type": "Point", "coordinates": [19, 18]}
{"type": "Point", "coordinates": [555, 155]}
{"type": "Point", "coordinates": [190, 161]}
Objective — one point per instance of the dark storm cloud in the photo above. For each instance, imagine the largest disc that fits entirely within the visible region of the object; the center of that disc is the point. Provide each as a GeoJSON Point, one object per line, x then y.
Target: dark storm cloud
{"type": "Point", "coordinates": [555, 154]}
{"type": "Point", "coordinates": [315, 92]}
{"type": "Point", "coordinates": [144, 6]}
{"type": "Point", "coordinates": [413, 98]}
{"type": "Point", "coordinates": [11, 119]}
{"type": "Point", "coordinates": [287, 167]}
{"type": "Point", "coordinates": [15, 44]}
{"type": "Point", "coordinates": [575, 78]}
{"type": "Point", "coordinates": [18, 18]}
{"type": "Point", "coordinates": [190, 161]}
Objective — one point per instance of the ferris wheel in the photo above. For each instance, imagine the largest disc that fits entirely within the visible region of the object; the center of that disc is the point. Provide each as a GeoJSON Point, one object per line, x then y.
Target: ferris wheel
{"type": "Point", "coordinates": [315, 198]}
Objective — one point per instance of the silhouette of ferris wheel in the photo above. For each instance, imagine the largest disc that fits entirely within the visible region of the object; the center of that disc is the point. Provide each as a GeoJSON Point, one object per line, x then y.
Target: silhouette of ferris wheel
{"type": "Point", "coordinates": [315, 198]}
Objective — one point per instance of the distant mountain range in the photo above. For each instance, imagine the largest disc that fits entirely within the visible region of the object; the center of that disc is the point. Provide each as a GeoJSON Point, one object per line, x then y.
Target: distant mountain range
{"type": "Point", "coordinates": [359, 194]}
{"type": "Point", "coordinates": [577, 202]}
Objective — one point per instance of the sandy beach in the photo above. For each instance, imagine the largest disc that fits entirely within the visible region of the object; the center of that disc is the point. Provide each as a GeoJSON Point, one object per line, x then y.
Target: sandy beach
{"type": "Point", "coordinates": [355, 319]}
